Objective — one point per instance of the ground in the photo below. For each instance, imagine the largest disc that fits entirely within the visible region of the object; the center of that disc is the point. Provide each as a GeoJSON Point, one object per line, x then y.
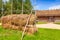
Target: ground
{"type": "Point", "coordinates": [48, 31]}
{"type": "Point", "coordinates": [49, 26]}
{"type": "Point", "coordinates": [42, 34]}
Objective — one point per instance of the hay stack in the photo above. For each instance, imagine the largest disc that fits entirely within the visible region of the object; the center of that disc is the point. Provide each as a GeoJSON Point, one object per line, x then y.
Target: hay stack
{"type": "Point", "coordinates": [18, 22]}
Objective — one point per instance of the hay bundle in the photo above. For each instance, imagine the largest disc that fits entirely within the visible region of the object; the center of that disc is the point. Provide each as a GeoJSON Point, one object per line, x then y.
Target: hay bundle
{"type": "Point", "coordinates": [18, 22]}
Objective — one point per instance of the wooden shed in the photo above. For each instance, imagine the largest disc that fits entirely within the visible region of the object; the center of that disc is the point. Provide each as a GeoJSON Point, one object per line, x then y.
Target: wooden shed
{"type": "Point", "coordinates": [48, 15]}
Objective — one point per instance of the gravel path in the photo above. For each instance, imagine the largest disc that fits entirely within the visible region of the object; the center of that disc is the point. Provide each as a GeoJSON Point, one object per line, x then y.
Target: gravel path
{"type": "Point", "coordinates": [49, 25]}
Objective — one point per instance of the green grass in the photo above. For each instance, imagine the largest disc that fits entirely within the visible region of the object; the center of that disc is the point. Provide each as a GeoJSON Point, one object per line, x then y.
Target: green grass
{"type": "Point", "coordinates": [42, 34]}
{"type": "Point", "coordinates": [41, 23]}
{"type": "Point", "coordinates": [57, 22]}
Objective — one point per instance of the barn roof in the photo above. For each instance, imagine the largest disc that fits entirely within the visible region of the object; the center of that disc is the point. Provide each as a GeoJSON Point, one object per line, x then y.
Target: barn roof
{"type": "Point", "coordinates": [48, 12]}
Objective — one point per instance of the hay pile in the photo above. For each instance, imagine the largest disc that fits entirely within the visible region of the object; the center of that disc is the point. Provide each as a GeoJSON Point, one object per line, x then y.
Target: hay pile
{"type": "Point", "coordinates": [18, 22]}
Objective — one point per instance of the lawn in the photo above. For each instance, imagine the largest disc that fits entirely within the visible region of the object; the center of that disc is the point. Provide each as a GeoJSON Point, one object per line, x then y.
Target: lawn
{"type": "Point", "coordinates": [42, 34]}
{"type": "Point", "coordinates": [57, 23]}
{"type": "Point", "coordinates": [41, 22]}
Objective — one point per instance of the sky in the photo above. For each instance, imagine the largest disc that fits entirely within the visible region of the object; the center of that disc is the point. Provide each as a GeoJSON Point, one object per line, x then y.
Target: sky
{"type": "Point", "coordinates": [45, 4]}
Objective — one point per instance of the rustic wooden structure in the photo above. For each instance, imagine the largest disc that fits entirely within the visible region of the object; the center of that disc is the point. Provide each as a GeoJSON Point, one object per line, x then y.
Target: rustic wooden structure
{"type": "Point", "coordinates": [48, 15]}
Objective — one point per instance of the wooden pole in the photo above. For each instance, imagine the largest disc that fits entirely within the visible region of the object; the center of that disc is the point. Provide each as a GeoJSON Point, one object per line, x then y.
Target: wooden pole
{"type": "Point", "coordinates": [35, 13]}
{"type": "Point", "coordinates": [22, 6]}
{"type": "Point", "coordinates": [11, 7]}
{"type": "Point", "coordinates": [26, 26]}
{"type": "Point", "coordinates": [27, 23]}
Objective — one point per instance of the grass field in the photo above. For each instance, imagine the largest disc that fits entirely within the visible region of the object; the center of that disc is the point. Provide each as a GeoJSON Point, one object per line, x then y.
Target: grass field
{"type": "Point", "coordinates": [41, 22]}
{"type": "Point", "coordinates": [57, 23]}
{"type": "Point", "coordinates": [42, 34]}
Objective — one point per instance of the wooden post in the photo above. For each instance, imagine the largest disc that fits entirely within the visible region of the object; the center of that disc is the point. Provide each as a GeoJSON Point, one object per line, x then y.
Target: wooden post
{"type": "Point", "coordinates": [25, 26]}
{"type": "Point", "coordinates": [22, 6]}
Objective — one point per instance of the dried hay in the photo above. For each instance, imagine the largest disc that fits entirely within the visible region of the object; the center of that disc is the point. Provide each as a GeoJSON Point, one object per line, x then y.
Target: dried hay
{"type": "Point", "coordinates": [18, 22]}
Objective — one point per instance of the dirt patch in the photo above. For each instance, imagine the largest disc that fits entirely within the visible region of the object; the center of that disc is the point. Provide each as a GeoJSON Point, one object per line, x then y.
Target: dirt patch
{"type": "Point", "coordinates": [48, 25]}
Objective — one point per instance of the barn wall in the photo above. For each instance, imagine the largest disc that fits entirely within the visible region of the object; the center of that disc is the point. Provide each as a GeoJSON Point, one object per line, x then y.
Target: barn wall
{"type": "Point", "coordinates": [43, 19]}
{"type": "Point", "coordinates": [47, 19]}
{"type": "Point", "coordinates": [57, 19]}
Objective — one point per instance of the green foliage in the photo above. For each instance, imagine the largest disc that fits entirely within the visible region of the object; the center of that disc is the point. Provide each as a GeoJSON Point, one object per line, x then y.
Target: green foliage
{"type": "Point", "coordinates": [16, 6]}
{"type": "Point", "coordinates": [0, 4]}
{"type": "Point", "coordinates": [0, 8]}
{"type": "Point", "coordinates": [27, 6]}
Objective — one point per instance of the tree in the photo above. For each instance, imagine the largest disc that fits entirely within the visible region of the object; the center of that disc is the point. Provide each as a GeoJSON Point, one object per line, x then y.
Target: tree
{"type": "Point", "coordinates": [0, 4]}
{"type": "Point", "coordinates": [0, 7]}
{"type": "Point", "coordinates": [17, 6]}
{"type": "Point", "coordinates": [27, 6]}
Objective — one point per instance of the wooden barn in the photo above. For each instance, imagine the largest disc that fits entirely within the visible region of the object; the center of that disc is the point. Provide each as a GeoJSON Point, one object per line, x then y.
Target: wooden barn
{"type": "Point", "coordinates": [48, 15]}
